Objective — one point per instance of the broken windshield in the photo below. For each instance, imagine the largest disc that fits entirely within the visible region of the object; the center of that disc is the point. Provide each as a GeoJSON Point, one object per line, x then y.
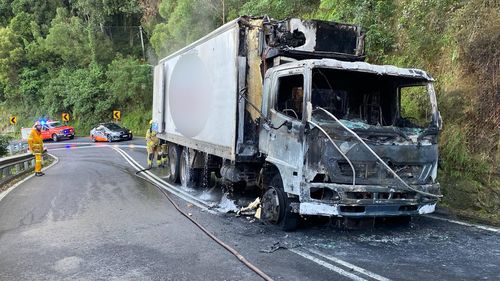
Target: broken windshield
{"type": "Point", "coordinates": [367, 101]}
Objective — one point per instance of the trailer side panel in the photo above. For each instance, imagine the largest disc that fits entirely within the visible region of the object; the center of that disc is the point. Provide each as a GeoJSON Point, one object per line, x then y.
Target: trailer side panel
{"type": "Point", "coordinates": [201, 95]}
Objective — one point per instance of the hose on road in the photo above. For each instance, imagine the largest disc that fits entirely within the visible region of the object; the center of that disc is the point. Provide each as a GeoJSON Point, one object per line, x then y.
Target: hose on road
{"type": "Point", "coordinates": [141, 171]}
{"type": "Point", "coordinates": [241, 258]}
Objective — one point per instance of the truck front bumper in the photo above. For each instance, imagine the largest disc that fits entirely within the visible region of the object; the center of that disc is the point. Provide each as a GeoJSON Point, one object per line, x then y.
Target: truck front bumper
{"type": "Point", "coordinates": [328, 199]}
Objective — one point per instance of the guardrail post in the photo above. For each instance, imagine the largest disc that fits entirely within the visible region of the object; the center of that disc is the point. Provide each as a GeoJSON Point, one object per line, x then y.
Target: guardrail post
{"type": "Point", "coordinates": [12, 166]}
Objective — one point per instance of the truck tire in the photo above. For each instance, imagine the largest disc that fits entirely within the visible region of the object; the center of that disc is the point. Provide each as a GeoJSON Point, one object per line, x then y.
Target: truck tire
{"type": "Point", "coordinates": [187, 175]}
{"type": "Point", "coordinates": [174, 154]}
{"type": "Point", "coordinates": [276, 206]}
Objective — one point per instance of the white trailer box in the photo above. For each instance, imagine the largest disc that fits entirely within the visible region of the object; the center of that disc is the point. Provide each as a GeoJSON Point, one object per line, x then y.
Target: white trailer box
{"type": "Point", "coordinates": [195, 94]}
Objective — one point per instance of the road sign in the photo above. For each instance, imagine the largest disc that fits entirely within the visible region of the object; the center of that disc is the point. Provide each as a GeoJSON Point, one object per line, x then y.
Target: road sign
{"type": "Point", "coordinates": [13, 120]}
{"type": "Point", "coordinates": [116, 114]}
{"type": "Point", "coordinates": [65, 117]}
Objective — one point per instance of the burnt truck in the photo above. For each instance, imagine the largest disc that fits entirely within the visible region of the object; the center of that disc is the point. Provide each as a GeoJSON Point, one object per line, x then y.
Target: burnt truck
{"type": "Point", "coordinates": [291, 108]}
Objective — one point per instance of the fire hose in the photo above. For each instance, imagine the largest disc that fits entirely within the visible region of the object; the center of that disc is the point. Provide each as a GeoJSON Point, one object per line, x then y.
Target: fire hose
{"type": "Point", "coordinates": [241, 258]}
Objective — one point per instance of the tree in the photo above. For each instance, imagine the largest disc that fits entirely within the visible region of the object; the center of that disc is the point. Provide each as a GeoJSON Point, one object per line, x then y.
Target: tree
{"type": "Point", "coordinates": [129, 81]}
{"type": "Point", "coordinates": [279, 9]}
{"type": "Point", "coordinates": [11, 55]}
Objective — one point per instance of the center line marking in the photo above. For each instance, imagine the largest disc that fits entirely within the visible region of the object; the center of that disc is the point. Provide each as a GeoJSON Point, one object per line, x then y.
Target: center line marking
{"type": "Point", "coordinates": [351, 266]}
{"type": "Point", "coordinates": [328, 265]}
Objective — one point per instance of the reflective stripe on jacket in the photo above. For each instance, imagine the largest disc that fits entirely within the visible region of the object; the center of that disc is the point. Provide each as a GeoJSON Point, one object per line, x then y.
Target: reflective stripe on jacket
{"type": "Point", "coordinates": [35, 141]}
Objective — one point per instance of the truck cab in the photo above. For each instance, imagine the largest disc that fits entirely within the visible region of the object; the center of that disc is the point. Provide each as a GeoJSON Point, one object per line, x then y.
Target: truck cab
{"type": "Point", "coordinates": [316, 113]}
{"type": "Point", "coordinates": [290, 108]}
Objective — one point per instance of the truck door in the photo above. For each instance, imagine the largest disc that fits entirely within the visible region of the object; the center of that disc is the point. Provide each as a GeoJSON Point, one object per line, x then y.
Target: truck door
{"type": "Point", "coordinates": [283, 143]}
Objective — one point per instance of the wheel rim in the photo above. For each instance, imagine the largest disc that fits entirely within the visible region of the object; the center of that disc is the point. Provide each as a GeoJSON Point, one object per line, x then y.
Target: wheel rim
{"type": "Point", "coordinates": [173, 166]}
{"type": "Point", "coordinates": [271, 206]}
{"type": "Point", "coordinates": [54, 137]}
{"type": "Point", "coordinates": [109, 139]}
{"type": "Point", "coordinates": [184, 169]}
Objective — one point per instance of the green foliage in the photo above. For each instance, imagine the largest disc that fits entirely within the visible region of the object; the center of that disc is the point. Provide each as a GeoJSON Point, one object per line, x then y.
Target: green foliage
{"type": "Point", "coordinates": [184, 23]}
{"type": "Point", "coordinates": [11, 54]}
{"type": "Point", "coordinates": [79, 50]}
{"type": "Point", "coordinates": [279, 9]}
{"type": "Point", "coordinates": [129, 81]}
{"type": "Point", "coordinates": [137, 120]}
{"type": "Point", "coordinates": [415, 105]}
{"type": "Point", "coordinates": [4, 142]}
{"type": "Point", "coordinates": [58, 57]}
{"type": "Point", "coordinates": [376, 16]}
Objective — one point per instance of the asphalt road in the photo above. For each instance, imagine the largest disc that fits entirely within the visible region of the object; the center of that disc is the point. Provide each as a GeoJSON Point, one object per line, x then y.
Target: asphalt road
{"type": "Point", "coordinates": [91, 218]}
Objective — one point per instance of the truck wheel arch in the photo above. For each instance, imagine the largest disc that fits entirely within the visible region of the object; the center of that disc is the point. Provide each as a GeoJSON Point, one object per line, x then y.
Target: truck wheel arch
{"type": "Point", "coordinates": [268, 172]}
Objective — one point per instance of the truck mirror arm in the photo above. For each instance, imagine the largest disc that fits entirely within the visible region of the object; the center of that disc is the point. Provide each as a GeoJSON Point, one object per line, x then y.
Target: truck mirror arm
{"type": "Point", "coordinates": [267, 124]}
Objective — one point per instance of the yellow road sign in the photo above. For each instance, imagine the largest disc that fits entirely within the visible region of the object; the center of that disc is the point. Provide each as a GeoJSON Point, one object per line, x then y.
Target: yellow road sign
{"type": "Point", "coordinates": [65, 117]}
{"type": "Point", "coordinates": [117, 114]}
{"type": "Point", "coordinates": [13, 120]}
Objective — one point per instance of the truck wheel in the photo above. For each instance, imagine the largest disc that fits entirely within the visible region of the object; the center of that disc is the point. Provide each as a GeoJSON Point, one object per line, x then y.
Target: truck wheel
{"type": "Point", "coordinates": [174, 154]}
{"type": "Point", "coordinates": [55, 138]}
{"type": "Point", "coordinates": [187, 174]}
{"type": "Point", "coordinates": [276, 206]}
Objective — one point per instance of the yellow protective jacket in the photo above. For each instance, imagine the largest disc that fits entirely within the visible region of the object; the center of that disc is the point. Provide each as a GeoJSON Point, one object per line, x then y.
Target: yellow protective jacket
{"type": "Point", "coordinates": [152, 141]}
{"type": "Point", "coordinates": [35, 142]}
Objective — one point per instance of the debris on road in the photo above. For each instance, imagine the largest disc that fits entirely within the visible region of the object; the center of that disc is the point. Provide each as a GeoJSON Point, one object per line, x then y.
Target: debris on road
{"type": "Point", "coordinates": [279, 245]}
{"type": "Point", "coordinates": [251, 210]}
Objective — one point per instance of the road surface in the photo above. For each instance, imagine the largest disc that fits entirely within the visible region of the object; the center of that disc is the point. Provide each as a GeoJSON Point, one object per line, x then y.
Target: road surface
{"type": "Point", "coordinates": [91, 218]}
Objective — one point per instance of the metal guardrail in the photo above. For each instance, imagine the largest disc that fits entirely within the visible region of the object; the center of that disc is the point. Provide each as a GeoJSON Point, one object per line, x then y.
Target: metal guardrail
{"type": "Point", "coordinates": [11, 167]}
{"type": "Point", "coordinates": [17, 147]}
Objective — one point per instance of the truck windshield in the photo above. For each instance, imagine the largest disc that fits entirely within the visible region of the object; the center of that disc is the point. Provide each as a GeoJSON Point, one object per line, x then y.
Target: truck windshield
{"type": "Point", "coordinates": [364, 100]}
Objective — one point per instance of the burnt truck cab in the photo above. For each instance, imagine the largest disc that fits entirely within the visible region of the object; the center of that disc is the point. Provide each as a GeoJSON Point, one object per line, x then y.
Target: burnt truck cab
{"type": "Point", "coordinates": [327, 120]}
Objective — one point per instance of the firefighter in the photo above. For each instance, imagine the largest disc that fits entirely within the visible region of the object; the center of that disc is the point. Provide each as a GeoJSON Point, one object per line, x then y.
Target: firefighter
{"type": "Point", "coordinates": [152, 146]}
{"type": "Point", "coordinates": [35, 143]}
{"type": "Point", "coordinates": [163, 154]}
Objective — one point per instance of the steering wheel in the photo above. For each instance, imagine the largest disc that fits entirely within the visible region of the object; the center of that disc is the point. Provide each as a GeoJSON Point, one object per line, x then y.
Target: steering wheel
{"type": "Point", "coordinates": [291, 110]}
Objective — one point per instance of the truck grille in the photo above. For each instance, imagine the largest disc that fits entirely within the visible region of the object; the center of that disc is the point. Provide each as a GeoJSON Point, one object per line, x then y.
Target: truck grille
{"type": "Point", "coordinates": [363, 171]}
{"type": "Point", "coordinates": [372, 170]}
{"type": "Point", "coordinates": [406, 171]}
{"type": "Point", "coordinates": [380, 195]}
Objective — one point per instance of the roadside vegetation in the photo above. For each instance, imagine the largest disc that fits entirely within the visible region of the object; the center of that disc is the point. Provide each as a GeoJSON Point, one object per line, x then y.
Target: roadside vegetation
{"type": "Point", "coordinates": [86, 58]}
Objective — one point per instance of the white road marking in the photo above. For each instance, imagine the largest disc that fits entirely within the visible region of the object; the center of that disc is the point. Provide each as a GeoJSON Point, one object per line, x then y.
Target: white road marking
{"type": "Point", "coordinates": [328, 265]}
{"type": "Point", "coordinates": [3, 194]}
{"type": "Point", "coordinates": [93, 145]}
{"type": "Point", "coordinates": [166, 186]}
{"type": "Point", "coordinates": [483, 227]}
{"type": "Point", "coordinates": [351, 266]}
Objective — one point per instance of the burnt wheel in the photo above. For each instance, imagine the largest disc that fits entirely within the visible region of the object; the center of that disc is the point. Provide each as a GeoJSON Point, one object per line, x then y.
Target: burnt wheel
{"type": "Point", "coordinates": [185, 171]}
{"type": "Point", "coordinates": [276, 206]}
{"type": "Point", "coordinates": [174, 154]}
